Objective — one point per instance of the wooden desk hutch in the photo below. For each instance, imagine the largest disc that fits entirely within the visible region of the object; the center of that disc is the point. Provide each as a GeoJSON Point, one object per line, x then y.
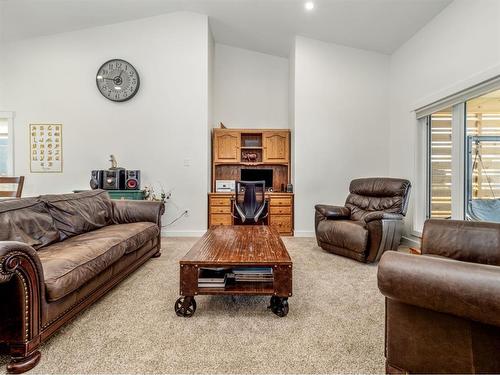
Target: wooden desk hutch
{"type": "Point", "coordinates": [269, 149]}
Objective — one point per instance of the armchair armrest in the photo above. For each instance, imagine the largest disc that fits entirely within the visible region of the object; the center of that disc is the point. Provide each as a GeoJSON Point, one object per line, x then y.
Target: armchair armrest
{"type": "Point", "coordinates": [130, 211]}
{"type": "Point", "coordinates": [468, 241]}
{"type": "Point", "coordinates": [333, 212]}
{"type": "Point", "coordinates": [381, 215]}
{"type": "Point", "coordinates": [463, 289]}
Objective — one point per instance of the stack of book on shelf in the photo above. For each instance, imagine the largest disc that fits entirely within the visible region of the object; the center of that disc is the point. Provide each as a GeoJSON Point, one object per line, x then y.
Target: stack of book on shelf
{"type": "Point", "coordinates": [212, 278]}
{"type": "Point", "coordinates": [253, 274]}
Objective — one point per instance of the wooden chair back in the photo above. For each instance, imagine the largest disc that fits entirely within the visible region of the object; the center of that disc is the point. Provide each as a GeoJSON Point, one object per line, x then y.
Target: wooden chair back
{"type": "Point", "coordinates": [19, 181]}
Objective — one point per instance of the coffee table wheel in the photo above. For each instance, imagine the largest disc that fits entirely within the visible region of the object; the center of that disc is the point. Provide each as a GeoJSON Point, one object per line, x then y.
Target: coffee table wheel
{"type": "Point", "coordinates": [185, 307]}
{"type": "Point", "coordinates": [279, 306]}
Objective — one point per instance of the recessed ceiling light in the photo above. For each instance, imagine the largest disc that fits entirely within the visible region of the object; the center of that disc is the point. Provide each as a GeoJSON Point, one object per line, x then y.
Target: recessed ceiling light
{"type": "Point", "coordinates": [309, 5]}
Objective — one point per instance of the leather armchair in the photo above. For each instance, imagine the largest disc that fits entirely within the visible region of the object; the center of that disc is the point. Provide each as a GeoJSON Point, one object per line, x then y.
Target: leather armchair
{"type": "Point", "coordinates": [443, 307]}
{"type": "Point", "coordinates": [369, 223]}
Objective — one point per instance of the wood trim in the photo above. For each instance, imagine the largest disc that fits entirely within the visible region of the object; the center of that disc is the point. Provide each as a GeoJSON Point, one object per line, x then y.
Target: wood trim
{"type": "Point", "coordinates": [24, 344]}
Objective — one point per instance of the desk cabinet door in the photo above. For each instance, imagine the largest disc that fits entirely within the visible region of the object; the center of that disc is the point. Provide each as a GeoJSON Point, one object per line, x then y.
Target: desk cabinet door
{"type": "Point", "coordinates": [227, 146]}
{"type": "Point", "coordinates": [276, 147]}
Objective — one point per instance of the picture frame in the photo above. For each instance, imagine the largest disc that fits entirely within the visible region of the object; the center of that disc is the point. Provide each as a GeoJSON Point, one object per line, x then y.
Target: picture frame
{"type": "Point", "coordinates": [46, 148]}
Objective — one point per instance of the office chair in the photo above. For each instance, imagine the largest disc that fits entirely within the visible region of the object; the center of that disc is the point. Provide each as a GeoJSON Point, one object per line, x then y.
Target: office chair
{"type": "Point", "coordinates": [250, 210]}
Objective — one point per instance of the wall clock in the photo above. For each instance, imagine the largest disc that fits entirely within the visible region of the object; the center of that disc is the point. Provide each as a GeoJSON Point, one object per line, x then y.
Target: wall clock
{"type": "Point", "coordinates": [117, 80]}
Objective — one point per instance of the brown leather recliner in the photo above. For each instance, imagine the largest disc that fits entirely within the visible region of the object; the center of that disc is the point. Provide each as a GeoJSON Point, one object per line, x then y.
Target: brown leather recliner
{"type": "Point", "coordinates": [369, 223]}
{"type": "Point", "coordinates": [443, 307]}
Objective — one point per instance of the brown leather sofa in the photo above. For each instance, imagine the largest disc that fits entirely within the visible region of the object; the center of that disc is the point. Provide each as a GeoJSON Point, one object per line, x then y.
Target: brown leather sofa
{"type": "Point", "coordinates": [369, 223]}
{"type": "Point", "coordinates": [443, 307]}
{"type": "Point", "coordinates": [59, 254]}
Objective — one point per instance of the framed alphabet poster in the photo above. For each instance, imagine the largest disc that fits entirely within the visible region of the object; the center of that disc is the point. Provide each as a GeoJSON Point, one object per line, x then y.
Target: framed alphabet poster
{"type": "Point", "coordinates": [46, 148]}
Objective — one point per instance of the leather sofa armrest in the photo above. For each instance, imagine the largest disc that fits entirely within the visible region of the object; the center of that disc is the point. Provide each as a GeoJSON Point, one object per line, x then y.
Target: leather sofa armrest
{"type": "Point", "coordinates": [17, 258]}
{"type": "Point", "coordinates": [133, 211]}
{"type": "Point", "coordinates": [463, 289]}
{"type": "Point", "coordinates": [381, 215]}
{"type": "Point", "coordinates": [333, 212]}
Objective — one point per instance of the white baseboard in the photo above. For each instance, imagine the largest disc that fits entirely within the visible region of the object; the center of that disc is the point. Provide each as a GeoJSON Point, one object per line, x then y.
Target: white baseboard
{"type": "Point", "coordinates": [182, 233]}
{"type": "Point", "coordinates": [410, 241]}
{"type": "Point", "coordinates": [304, 233]}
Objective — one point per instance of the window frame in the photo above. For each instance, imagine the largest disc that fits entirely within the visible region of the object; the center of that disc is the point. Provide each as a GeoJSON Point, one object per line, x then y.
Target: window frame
{"type": "Point", "coordinates": [10, 143]}
{"type": "Point", "coordinates": [458, 103]}
{"type": "Point", "coordinates": [455, 127]}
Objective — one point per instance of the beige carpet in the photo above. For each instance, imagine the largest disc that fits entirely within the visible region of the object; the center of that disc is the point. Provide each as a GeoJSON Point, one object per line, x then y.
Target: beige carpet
{"type": "Point", "coordinates": [335, 324]}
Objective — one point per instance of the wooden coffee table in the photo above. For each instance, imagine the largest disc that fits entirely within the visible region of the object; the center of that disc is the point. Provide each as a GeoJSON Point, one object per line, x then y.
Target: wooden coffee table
{"type": "Point", "coordinates": [240, 247]}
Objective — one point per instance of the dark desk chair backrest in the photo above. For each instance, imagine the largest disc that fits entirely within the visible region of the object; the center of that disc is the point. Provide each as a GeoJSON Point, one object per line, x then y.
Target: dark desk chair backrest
{"type": "Point", "coordinates": [250, 209]}
{"type": "Point", "coordinates": [19, 181]}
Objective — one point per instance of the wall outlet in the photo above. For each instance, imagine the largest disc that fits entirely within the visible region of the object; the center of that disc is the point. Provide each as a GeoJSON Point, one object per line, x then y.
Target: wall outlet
{"type": "Point", "coordinates": [186, 211]}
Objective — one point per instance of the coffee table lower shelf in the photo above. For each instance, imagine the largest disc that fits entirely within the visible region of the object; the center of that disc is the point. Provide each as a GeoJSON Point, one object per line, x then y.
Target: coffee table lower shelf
{"type": "Point", "coordinates": [266, 289]}
{"type": "Point", "coordinates": [279, 290]}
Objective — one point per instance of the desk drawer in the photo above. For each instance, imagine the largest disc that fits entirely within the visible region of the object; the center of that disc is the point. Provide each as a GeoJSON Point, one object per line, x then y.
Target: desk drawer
{"type": "Point", "coordinates": [281, 222]}
{"type": "Point", "coordinates": [281, 201]}
{"type": "Point", "coordinates": [280, 210]}
{"type": "Point", "coordinates": [220, 219]}
{"type": "Point", "coordinates": [220, 209]}
{"type": "Point", "coordinates": [220, 201]}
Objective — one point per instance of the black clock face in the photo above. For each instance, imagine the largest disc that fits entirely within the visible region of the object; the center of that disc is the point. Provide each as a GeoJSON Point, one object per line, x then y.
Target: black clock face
{"type": "Point", "coordinates": [117, 80]}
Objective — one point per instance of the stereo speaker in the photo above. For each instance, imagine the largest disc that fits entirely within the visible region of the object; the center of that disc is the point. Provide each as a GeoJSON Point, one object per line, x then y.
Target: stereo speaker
{"type": "Point", "coordinates": [96, 179]}
{"type": "Point", "coordinates": [113, 179]}
{"type": "Point", "coordinates": [133, 180]}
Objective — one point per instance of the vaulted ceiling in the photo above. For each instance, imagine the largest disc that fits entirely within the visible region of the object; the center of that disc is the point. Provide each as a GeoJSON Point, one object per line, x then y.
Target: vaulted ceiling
{"type": "Point", "coordinates": [268, 26]}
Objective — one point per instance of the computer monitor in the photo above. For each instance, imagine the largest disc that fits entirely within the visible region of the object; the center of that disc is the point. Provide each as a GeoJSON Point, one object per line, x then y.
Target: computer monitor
{"type": "Point", "coordinates": [258, 174]}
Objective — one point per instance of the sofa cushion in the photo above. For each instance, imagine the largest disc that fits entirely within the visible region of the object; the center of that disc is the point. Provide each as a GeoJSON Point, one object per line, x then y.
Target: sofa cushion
{"type": "Point", "coordinates": [346, 234]}
{"type": "Point", "coordinates": [27, 220]}
{"type": "Point", "coordinates": [69, 264]}
{"type": "Point", "coordinates": [79, 213]}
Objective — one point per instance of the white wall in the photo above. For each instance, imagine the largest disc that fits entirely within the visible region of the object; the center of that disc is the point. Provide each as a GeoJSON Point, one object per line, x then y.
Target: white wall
{"type": "Point", "coordinates": [251, 89]}
{"type": "Point", "coordinates": [341, 123]}
{"type": "Point", "coordinates": [210, 122]}
{"type": "Point", "coordinates": [459, 48]}
{"type": "Point", "coordinates": [2, 52]}
{"type": "Point", "coordinates": [291, 105]}
{"type": "Point", "coordinates": [52, 79]}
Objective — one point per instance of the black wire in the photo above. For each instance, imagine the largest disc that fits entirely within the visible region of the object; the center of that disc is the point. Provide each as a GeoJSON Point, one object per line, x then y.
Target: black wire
{"type": "Point", "coordinates": [173, 221]}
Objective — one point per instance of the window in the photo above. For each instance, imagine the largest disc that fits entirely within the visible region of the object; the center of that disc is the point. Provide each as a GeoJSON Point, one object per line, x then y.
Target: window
{"type": "Point", "coordinates": [439, 164]}
{"type": "Point", "coordinates": [6, 147]}
{"type": "Point", "coordinates": [460, 144]}
{"type": "Point", "coordinates": [483, 158]}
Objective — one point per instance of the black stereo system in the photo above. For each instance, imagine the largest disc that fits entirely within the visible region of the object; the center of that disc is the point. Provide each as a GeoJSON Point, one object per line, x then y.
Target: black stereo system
{"type": "Point", "coordinates": [115, 179]}
{"type": "Point", "coordinates": [96, 179]}
{"type": "Point", "coordinates": [132, 180]}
